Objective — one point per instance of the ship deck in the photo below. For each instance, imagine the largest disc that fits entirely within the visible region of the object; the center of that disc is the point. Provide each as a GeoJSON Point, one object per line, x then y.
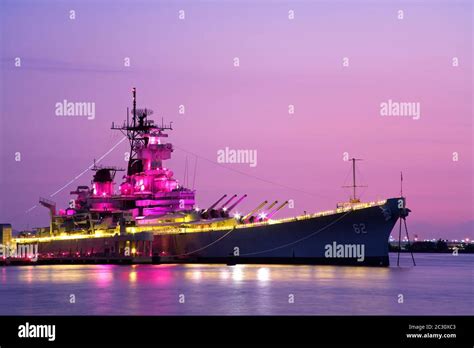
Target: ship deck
{"type": "Point", "coordinates": [198, 226]}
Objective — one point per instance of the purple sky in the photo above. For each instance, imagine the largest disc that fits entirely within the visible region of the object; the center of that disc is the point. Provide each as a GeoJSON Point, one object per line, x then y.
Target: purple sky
{"type": "Point", "coordinates": [282, 62]}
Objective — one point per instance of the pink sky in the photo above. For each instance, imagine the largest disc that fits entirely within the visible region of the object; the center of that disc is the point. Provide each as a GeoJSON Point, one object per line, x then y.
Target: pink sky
{"type": "Point", "coordinates": [282, 62]}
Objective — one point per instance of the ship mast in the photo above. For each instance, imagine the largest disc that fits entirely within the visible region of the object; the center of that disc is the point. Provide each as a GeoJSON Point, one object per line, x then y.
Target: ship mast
{"type": "Point", "coordinates": [137, 132]}
{"type": "Point", "coordinates": [354, 185]}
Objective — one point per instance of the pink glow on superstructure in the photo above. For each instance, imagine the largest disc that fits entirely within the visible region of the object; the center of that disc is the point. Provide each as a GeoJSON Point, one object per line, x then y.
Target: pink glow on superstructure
{"type": "Point", "coordinates": [103, 188]}
{"type": "Point", "coordinates": [125, 188]}
{"type": "Point", "coordinates": [103, 206]}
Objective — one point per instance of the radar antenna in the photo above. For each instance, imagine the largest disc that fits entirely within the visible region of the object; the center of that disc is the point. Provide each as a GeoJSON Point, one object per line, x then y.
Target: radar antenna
{"type": "Point", "coordinates": [137, 131]}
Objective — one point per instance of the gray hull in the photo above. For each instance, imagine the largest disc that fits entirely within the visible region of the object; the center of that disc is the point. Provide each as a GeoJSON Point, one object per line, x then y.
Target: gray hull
{"type": "Point", "coordinates": [331, 239]}
{"type": "Point", "coordinates": [361, 234]}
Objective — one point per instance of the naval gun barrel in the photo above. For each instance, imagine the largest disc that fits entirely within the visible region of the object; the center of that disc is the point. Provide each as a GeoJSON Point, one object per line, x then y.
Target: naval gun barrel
{"type": "Point", "coordinates": [216, 203]}
{"type": "Point", "coordinates": [236, 203]}
{"type": "Point", "coordinates": [277, 209]}
{"type": "Point", "coordinates": [228, 201]}
{"type": "Point", "coordinates": [271, 206]}
{"type": "Point", "coordinates": [262, 209]}
{"type": "Point", "coordinates": [260, 206]}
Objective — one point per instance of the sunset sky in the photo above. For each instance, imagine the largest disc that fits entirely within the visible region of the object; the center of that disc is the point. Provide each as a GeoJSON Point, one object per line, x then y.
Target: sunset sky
{"type": "Point", "coordinates": [283, 62]}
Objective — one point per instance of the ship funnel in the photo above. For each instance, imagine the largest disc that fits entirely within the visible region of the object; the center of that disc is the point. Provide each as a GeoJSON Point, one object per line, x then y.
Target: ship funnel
{"type": "Point", "coordinates": [236, 203]}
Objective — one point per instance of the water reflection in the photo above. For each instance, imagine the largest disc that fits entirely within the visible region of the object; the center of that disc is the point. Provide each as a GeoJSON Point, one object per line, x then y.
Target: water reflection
{"type": "Point", "coordinates": [239, 289]}
{"type": "Point", "coordinates": [238, 273]}
{"type": "Point", "coordinates": [224, 275]}
{"type": "Point", "coordinates": [132, 276]}
{"type": "Point", "coordinates": [263, 274]}
{"type": "Point", "coordinates": [103, 275]}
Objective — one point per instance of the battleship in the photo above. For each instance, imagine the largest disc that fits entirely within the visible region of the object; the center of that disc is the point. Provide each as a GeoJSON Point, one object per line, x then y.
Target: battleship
{"type": "Point", "coordinates": [151, 218]}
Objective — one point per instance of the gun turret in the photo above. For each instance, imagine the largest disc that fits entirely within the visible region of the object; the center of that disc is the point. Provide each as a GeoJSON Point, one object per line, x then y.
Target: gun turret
{"type": "Point", "coordinates": [260, 206]}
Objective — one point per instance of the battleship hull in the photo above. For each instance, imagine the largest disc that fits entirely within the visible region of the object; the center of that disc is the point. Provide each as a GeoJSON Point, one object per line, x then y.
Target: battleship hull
{"type": "Point", "coordinates": [356, 237]}
{"type": "Point", "coordinates": [151, 218]}
{"type": "Point", "coordinates": [350, 237]}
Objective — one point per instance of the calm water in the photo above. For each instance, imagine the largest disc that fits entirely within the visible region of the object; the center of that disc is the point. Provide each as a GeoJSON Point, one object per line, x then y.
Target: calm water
{"type": "Point", "coordinates": [440, 284]}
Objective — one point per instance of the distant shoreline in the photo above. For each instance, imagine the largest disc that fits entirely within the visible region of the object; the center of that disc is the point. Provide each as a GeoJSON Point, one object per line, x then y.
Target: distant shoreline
{"type": "Point", "coordinates": [439, 247]}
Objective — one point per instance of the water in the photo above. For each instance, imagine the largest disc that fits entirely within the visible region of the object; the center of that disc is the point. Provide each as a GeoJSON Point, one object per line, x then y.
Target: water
{"type": "Point", "coordinates": [440, 284]}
